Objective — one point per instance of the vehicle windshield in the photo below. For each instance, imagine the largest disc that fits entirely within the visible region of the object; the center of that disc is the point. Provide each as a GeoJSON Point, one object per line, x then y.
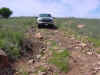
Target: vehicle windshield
{"type": "Point", "coordinates": [44, 15]}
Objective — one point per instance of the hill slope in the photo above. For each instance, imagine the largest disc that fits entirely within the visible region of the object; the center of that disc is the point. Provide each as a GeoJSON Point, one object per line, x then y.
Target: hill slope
{"type": "Point", "coordinates": [68, 49]}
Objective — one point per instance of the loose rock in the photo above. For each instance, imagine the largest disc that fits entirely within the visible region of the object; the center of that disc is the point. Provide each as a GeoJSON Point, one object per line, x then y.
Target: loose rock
{"type": "Point", "coordinates": [38, 36]}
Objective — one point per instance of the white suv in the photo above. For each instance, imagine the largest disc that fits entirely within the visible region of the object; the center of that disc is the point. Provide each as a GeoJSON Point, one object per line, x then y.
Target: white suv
{"type": "Point", "coordinates": [45, 20]}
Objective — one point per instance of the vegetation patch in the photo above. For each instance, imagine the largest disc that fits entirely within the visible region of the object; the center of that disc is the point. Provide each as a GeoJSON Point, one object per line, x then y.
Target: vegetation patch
{"type": "Point", "coordinates": [59, 57]}
{"type": "Point", "coordinates": [60, 60]}
{"type": "Point", "coordinates": [98, 51]}
{"type": "Point", "coordinates": [95, 41]}
{"type": "Point", "coordinates": [12, 34]}
{"type": "Point", "coordinates": [42, 69]}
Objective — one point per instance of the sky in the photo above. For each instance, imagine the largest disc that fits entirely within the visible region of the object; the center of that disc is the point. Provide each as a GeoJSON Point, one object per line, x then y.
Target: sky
{"type": "Point", "coordinates": [58, 8]}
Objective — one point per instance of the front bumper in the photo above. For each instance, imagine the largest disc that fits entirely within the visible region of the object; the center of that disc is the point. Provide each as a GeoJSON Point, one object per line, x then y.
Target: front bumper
{"type": "Point", "coordinates": [46, 23]}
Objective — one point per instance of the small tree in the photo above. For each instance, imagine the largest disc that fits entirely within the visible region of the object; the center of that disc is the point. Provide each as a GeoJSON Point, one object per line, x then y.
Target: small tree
{"type": "Point", "coordinates": [5, 12]}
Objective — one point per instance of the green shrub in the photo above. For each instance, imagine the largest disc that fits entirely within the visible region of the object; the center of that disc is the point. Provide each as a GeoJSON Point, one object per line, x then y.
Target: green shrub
{"type": "Point", "coordinates": [13, 51]}
{"type": "Point", "coordinates": [5, 12]}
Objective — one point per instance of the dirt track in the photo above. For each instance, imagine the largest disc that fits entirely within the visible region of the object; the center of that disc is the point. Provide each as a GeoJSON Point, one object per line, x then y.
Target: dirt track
{"type": "Point", "coordinates": [83, 58]}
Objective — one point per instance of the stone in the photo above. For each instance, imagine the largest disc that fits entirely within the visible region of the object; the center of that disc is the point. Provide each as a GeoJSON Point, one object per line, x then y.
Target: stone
{"type": "Point", "coordinates": [38, 36]}
{"type": "Point", "coordinates": [56, 31]}
{"type": "Point", "coordinates": [41, 73]}
{"type": "Point", "coordinates": [77, 41]}
{"type": "Point", "coordinates": [97, 68]}
{"type": "Point", "coordinates": [38, 56]}
{"type": "Point", "coordinates": [83, 45]}
{"type": "Point", "coordinates": [3, 59]}
{"type": "Point", "coordinates": [30, 61]}
{"type": "Point", "coordinates": [89, 53]}
{"type": "Point", "coordinates": [80, 26]}
{"type": "Point", "coordinates": [77, 47]}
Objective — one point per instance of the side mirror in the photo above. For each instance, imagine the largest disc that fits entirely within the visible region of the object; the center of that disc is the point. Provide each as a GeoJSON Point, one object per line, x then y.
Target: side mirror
{"type": "Point", "coordinates": [36, 17]}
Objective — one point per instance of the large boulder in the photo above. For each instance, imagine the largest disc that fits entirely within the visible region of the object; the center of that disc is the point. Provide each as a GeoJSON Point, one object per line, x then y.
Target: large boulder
{"type": "Point", "coordinates": [3, 59]}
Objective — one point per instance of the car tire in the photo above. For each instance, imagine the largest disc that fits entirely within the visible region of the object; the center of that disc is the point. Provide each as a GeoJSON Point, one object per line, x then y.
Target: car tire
{"type": "Point", "coordinates": [51, 25]}
{"type": "Point", "coordinates": [39, 26]}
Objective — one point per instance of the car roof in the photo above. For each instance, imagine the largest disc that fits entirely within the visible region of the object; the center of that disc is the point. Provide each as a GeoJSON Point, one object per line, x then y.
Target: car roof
{"type": "Point", "coordinates": [45, 13]}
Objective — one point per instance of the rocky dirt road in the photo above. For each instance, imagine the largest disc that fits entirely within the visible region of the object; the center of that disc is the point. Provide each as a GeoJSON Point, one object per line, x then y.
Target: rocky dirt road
{"type": "Point", "coordinates": [83, 59]}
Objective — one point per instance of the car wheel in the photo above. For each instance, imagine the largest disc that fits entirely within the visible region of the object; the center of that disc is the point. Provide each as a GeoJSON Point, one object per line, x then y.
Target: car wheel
{"type": "Point", "coordinates": [51, 25]}
{"type": "Point", "coordinates": [39, 26]}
